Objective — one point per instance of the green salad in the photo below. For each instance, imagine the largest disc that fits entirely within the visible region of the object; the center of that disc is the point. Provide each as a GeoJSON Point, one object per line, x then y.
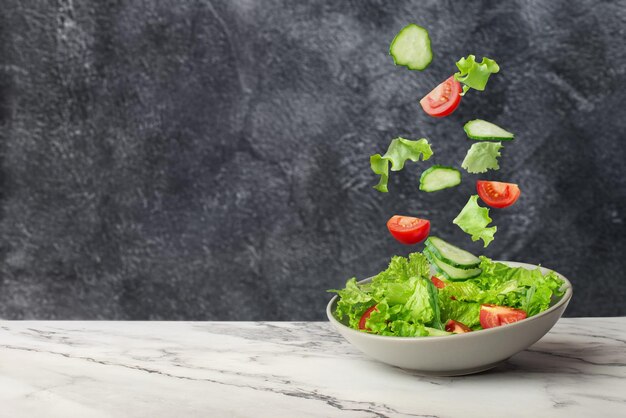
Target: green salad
{"type": "Point", "coordinates": [466, 294]}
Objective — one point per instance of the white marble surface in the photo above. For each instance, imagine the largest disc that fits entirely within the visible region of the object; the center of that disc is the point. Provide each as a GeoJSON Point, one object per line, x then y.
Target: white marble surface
{"type": "Point", "coordinates": [245, 369]}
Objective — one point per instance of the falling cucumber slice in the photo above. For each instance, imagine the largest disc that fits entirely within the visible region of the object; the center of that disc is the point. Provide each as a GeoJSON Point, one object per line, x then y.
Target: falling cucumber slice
{"type": "Point", "coordinates": [481, 130]}
{"type": "Point", "coordinates": [439, 177]}
{"type": "Point", "coordinates": [411, 48]}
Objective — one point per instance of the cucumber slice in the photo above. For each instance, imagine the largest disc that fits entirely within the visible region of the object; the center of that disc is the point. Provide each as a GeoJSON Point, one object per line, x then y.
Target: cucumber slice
{"type": "Point", "coordinates": [439, 177]}
{"type": "Point", "coordinates": [482, 130]}
{"type": "Point", "coordinates": [449, 254]}
{"type": "Point", "coordinates": [411, 48]}
{"type": "Point", "coordinates": [448, 271]}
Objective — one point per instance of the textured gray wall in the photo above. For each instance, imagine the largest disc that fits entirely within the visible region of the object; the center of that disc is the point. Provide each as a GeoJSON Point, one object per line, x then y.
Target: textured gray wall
{"type": "Point", "coordinates": [210, 159]}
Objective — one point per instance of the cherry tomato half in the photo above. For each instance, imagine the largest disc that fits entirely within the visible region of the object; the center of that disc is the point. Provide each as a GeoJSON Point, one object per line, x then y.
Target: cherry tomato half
{"type": "Point", "coordinates": [496, 194]}
{"type": "Point", "coordinates": [439, 284]}
{"type": "Point", "coordinates": [444, 99]}
{"type": "Point", "coordinates": [408, 230]}
{"type": "Point", "coordinates": [457, 327]}
{"type": "Point", "coordinates": [494, 315]}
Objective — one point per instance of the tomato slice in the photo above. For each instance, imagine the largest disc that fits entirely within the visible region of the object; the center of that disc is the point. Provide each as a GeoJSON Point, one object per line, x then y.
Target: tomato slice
{"type": "Point", "coordinates": [496, 194]}
{"type": "Point", "coordinates": [444, 99]}
{"type": "Point", "coordinates": [439, 284]}
{"type": "Point", "coordinates": [365, 317]}
{"type": "Point", "coordinates": [457, 327]}
{"type": "Point", "coordinates": [494, 315]}
{"type": "Point", "coordinates": [408, 230]}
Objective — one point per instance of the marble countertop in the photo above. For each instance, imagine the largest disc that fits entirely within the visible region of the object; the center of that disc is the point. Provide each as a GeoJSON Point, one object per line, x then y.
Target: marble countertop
{"type": "Point", "coordinates": [291, 369]}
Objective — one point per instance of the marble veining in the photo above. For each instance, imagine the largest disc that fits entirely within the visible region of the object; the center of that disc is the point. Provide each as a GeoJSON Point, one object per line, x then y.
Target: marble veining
{"type": "Point", "coordinates": [291, 369]}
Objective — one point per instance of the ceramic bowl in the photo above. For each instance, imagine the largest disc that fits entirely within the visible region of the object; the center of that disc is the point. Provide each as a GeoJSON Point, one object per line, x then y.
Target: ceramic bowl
{"type": "Point", "coordinates": [460, 354]}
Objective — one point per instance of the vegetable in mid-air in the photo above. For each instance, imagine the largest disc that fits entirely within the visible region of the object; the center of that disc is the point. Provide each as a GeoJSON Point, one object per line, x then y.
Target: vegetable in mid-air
{"type": "Point", "coordinates": [493, 315]}
{"type": "Point", "coordinates": [482, 156]}
{"type": "Point", "coordinates": [439, 177]}
{"type": "Point", "coordinates": [443, 99]}
{"type": "Point", "coordinates": [474, 219]}
{"type": "Point", "coordinates": [497, 194]}
{"type": "Point", "coordinates": [474, 74]}
{"type": "Point", "coordinates": [481, 130]}
{"type": "Point", "coordinates": [408, 230]}
{"type": "Point", "coordinates": [399, 150]}
{"type": "Point", "coordinates": [411, 48]}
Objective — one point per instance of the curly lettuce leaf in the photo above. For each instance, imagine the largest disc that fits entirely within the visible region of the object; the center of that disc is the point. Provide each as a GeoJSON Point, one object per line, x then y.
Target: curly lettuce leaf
{"type": "Point", "coordinates": [380, 166]}
{"type": "Point", "coordinates": [467, 313]}
{"type": "Point", "coordinates": [474, 219]}
{"type": "Point", "coordinates": [482, 156]}
{"type": "Point", "coordinates": [399, 151]}
{"type": "Point", "coordinates": [353, 302]}
{"type": "Point", "coordinates": [474, 74]}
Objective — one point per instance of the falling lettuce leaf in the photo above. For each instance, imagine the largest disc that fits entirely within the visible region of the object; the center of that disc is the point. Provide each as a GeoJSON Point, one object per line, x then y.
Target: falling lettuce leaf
{"type": "Point", "coordinates": [475, 74]}
{"type": "Point", "coordinates": [474, 219]}
{"type": "Point", "coordinates": [399, 151]}
{"type": "Point", "coordinates": [482, 156]}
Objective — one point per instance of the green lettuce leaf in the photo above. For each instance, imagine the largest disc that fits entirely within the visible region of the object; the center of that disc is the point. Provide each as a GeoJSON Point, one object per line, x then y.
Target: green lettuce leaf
{"type": "Point", "coordinates": [353, 302]}
{"type": "Point", "coordinates": [474, 74]}
{"type": "Point", "coordinates": [399, 151]}
{"type": "Point", "coordinates": [419, 307]}
{"type": "Point", "coordinates": [482, 156]}
{"type": "Point", "coordinates": [380, 166]}
{"type": "Point", "coordinates": [474, 219]}
{"type": "Point", "coordinates": [468, 313]}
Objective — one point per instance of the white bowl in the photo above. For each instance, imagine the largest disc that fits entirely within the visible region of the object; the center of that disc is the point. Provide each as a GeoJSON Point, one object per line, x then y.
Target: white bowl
{"type": "Point", "coordinates": [460, 354]}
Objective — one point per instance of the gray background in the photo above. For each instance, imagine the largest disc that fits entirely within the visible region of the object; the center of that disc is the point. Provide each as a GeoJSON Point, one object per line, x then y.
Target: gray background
{"type": "Point", "coordinates": [210, 159]}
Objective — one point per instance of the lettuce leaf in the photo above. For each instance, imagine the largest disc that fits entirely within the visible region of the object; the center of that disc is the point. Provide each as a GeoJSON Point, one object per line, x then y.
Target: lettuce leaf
{"type": "Point", "coordinates": [399, 151]}
{"type": "Point", "coordinates": [474, 219]}
{"type": "Point", "coordinates": [474, 74]}
{"type": "Point", "coordinates": [380, 166]}
{"type": "Point", "coordinates": [482, 156]}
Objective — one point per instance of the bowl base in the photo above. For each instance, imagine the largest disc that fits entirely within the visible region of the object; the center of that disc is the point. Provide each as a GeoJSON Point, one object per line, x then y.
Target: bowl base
{"type": "Point", "coordinates": [450, 373]}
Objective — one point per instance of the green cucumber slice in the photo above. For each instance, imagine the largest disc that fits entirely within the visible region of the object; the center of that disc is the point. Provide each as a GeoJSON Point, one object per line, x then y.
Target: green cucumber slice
{"type": "Point", "coordinates": [450, 254]}
{"type": "Point", "coordinates": [411, 48]}
{"type": "Point", "coordinates": [482, 130]}
{"type": "Point", "coordinates": [448, 271]}
{"type": "Point", "coordinates": [434, 332]}
{"type": "Point", "coordinates": [439, 177]}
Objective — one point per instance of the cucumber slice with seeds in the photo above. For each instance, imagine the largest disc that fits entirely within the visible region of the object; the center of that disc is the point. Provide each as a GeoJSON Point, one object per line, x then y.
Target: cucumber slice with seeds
{"type": "Point", "coordinates": [482, 130]}
{"type": "Point", "coordinates": [450, 254]}
{"type": "Point", "coordinates": [411, 48]}
{"type": "Point", "coordinates": [439, 177]}
{"type": "Point", "coordinates": [448, 271]}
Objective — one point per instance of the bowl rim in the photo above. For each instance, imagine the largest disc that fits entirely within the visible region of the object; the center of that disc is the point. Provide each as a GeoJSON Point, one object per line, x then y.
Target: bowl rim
{"type": "Point", "coordinates": [564, 300]}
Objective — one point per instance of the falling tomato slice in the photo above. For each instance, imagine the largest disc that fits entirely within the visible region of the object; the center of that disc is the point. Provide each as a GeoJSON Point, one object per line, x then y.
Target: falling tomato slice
{"type": "Point", "coordinates": [493, 315]}
{"type": "Point", "coordinates": [443, 100]}
{"type": "Point", "coordinates": [496, 194]}
{"type": "Point", "coordinates": [457, 327]}
{"type": "Point", "coordinates": [408, 230]}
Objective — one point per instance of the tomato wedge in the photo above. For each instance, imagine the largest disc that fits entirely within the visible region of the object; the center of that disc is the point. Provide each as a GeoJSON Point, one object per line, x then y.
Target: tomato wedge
{"type": "Point", "coordinates": [439, 284]}
{"type": "Point", "coordinates": [493, 315]}
{"type": "Point", "coordinates": [365, 317]}
{"type": "Point", "coordinates": [443, 100]}
{"type": "Point", "coordinates": [457, 327]}
{"type": "Point", "coordinates": [496, 194]}
{"type": "Point", "coordinates": [408, 230]}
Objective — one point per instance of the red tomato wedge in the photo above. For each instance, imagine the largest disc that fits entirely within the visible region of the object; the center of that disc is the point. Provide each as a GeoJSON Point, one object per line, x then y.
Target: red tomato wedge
{"type": "Point", "coordinates": [443, 100]}
{"type": "Point", "coordinates": [496, 194]}
{"type": "Point", "coordinates": [408, 230]}
{"type": "Point", "coordinates": [457, 327]}
{"type": "Point", "coordinates": [493, 315]}
{"type": "Point", "coordinates": [439, 284]}
{"type": "Point", "coordinates": [365, 317]}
